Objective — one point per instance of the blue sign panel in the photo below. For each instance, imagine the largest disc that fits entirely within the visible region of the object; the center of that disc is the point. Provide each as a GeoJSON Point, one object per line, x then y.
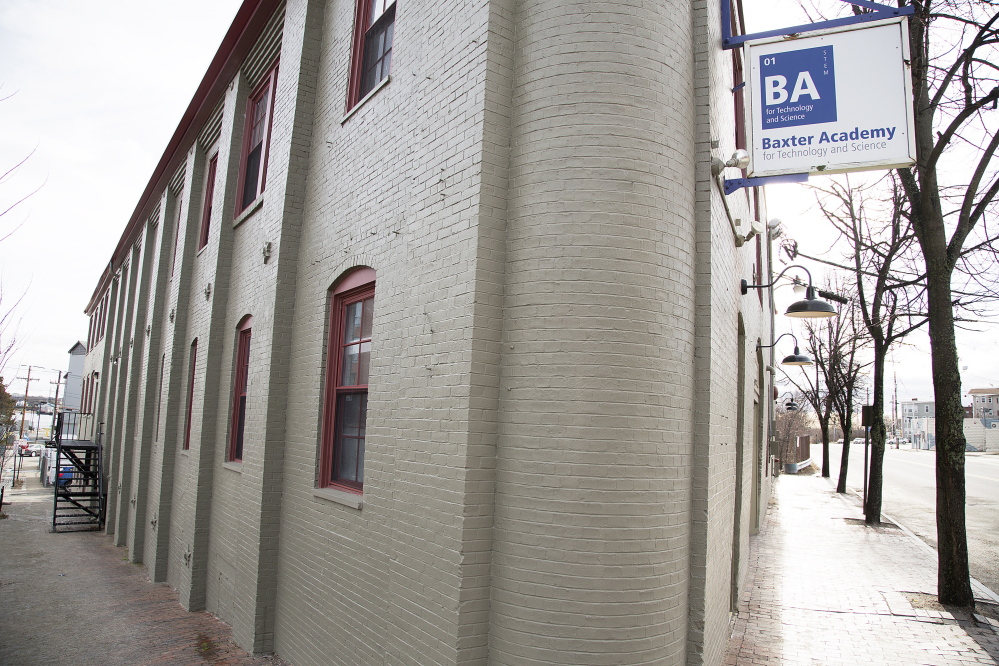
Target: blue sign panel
{"type": "Point", "coordinates": [798, 87]}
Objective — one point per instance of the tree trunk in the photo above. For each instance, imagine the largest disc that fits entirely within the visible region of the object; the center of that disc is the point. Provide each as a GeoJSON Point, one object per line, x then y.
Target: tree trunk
{"type": "Point", "coordinates": [953, 573]}
{"type": "Point", "coordinates": [875, 482]}
{"type": "Point", "coordinates": [824, 429]}
{"type": "Point", "coordinates": [844, 462]}
{"type": "Point", "coordinates": [824, 424]}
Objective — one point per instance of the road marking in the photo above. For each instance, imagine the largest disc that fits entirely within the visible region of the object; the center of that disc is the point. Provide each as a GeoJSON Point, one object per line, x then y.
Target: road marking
{"type": "Point", "coordinates": [973, 476]}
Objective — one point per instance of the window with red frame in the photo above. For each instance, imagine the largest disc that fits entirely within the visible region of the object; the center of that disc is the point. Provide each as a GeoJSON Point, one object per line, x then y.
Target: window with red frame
{"type": "Point", "coordinates": [256, 137]}
{"type": "Point", "coordinates": [346, 398]}
{"type": "Point", "coordinates": [238, 421]}
{"type": "Point", "coordinates": [206, 213]}
{"type": "Point", "coordinates": [159, 400]}
{"type": "Point", "coordinates": [190, 395]}
{"type": "Point", "coordinates": [374, 26]}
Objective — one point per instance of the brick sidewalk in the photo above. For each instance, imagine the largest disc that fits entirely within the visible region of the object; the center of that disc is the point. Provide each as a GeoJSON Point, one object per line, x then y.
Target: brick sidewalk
{"type": "Point", "coordinates": [826, 589]}
{"type": "Point", "coordinates": [73, 598]}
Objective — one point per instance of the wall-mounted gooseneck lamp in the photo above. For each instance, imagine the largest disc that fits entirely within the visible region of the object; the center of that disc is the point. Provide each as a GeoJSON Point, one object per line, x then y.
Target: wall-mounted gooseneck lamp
{"type": "Point", "coordinates": [797, 358]}
{"type": "Point", "coordinates": [809, 308]}
{"type": "Point", "coordinates": [790, 405]}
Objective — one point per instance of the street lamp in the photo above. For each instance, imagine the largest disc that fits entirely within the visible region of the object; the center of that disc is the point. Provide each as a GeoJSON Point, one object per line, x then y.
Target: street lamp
{"type": "Point", "coordinates": [790, 405]}
{"type": "Point", "coordinates": [808, 308]}
{"type": "Point", "coordinates": [797, 358]}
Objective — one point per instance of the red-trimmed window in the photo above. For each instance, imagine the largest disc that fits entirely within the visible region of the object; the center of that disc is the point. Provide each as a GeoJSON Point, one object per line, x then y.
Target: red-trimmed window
{"type": "Point", "coordinates": [102, 318]}
{"type": "Point", "coordinates": [238, 419]}
{"type": "Point", "coordinates": [256, 138]}
{"type": "Point", "coordinates": [206, 212]}
{"type": "Point", "coordinates": [374, 25]}
{"type": "Point", "coordinates": [346, 398]}
{"type": "Point", "coordinates": [189, 410]}
{"type": "Point", "coordinates": [159, 400]}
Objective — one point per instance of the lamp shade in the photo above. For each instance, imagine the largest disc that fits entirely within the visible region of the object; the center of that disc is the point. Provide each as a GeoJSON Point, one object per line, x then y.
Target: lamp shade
{"type": "Point", "coordinates": [791, 406]}
{"type": "Point", "coordinates": [810, 308]}
{"type": "Point", "coordinates": [797, 358]}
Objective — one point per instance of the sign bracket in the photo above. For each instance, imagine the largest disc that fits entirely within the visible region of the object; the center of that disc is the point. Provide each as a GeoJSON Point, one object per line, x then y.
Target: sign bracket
{"type": "Point", "coordinates": [737, 184]}
{"type": "Point", "coordinates": [878, 13]}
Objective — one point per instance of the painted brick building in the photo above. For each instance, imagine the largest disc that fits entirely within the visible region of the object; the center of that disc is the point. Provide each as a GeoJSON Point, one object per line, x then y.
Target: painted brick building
{"type": "Point", "coordinates": [425, 343]}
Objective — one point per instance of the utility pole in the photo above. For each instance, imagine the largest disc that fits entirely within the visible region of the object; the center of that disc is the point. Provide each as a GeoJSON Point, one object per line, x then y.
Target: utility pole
{"type": "Point", "coordinates": [24, 407]}
{"type": "Point", "coordinates": [55, 405]}
{"type": "Point", "coordinates": [894, 413]}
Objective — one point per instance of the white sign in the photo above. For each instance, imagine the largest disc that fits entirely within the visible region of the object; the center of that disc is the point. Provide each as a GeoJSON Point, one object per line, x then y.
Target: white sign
{"type": "Point", "coordinates": [835, 101]}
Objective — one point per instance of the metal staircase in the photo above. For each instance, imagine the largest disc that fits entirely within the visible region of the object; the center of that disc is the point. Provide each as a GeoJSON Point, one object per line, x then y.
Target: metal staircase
{"type": "Point", "coordinates": [79, 494]}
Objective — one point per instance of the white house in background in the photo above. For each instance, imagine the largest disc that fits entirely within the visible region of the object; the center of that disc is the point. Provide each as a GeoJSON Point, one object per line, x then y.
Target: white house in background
{"type": "Point", "coordinates": [74, 377]}
{"type": "Point", "coordinates": [984, 402]}
{"type": "Point", "coordinates": [919, 423]}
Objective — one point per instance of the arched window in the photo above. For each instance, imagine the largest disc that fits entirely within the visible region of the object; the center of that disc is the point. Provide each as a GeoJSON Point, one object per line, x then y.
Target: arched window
{"type": "Point", "coordinates": [345, 406]}
{"type": "Point", "coordinates": [192, 363]}
{"type": "Point", "coordinates": [238, 418]}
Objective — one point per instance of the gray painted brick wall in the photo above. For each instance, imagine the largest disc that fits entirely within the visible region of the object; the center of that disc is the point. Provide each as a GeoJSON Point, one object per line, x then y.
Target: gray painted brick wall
{"type": "Point", "coordinates": [554, 447]}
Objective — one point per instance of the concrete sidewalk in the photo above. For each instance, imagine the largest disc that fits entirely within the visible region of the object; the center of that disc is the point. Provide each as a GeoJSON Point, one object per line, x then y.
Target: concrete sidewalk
{"type": "Point", "coordinates": [73, 598]}
{"type": "Point", "coordinates": [826, 589]}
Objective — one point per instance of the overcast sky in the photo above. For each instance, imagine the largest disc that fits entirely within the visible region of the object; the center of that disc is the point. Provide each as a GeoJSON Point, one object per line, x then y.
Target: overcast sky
{"type": "Point", "coordinates": [95, 89]}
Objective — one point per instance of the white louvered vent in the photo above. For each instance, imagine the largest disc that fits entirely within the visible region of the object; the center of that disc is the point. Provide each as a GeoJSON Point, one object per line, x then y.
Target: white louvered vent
{"type": "Point", "coordinates": [154, 217]}
{"type": "Point", "coordinates": [177, 182]}
{"type": "Point", "coordinates": [266, 50]}
{"type": "Point", "coordinates": [212, 130]}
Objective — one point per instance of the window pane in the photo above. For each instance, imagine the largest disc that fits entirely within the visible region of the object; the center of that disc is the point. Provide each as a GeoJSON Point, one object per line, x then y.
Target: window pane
{"type": "Point", "coordinates": [363, 361]}
{"type": "Point", "coordinates": [366, 317]}
{"type": "Point", "coordinates": [352, 323]}
{"type": "Point", "coordinates": [259, 114]}
{"type": "Point", "coordinates": [237, 453]}
{"type": "Point", "coordinates": [377, 9]}
{"type": "Point", "coordinates": [377, 52]}
{"type": "Point", "coordinates": [348, 375]}
{"type": "Point", "coordinates": [351, 416]}
{"type": "Point", "coordinates": [252, 176]}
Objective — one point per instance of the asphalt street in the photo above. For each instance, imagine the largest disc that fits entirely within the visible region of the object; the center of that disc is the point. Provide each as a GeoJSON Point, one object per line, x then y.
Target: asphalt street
{"type": "Point", "coordinates": [910, 499]}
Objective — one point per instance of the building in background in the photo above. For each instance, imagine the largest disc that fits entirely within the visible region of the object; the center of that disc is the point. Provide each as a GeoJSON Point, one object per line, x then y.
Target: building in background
{"type": "Point", "coordinates": [984, 403]}
{"type": "Point", "coordinates": [981, 426]}
{"type": "Point", "coordinates": [73, 391]}
{"type": "Point", "coordinates": [919, 423]}
{"type": "Point", "coordinates": [425, 344]}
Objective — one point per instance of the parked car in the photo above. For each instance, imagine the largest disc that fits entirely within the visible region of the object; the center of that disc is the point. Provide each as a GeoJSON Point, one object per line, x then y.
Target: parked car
{"type": "Point", "coordinates": [858, 440]}
{"type": "Point", "coordinates": [35, 449]}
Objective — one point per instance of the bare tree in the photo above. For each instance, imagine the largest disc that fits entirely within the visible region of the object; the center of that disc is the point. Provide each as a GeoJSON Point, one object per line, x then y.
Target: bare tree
{"type": "Point", "coordinates": [9, 306]}
{"type": "Point", "coordinates": [792, 420]}
{"type": "Point", "coordinates": [889, 284]}
{"type": "Point", "coordinates": [955, 84]}
{"type": "Point", "coordinates": [845, 378]}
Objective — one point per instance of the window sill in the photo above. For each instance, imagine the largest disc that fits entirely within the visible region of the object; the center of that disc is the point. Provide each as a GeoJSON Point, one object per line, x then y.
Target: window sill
{"type": "Point", "coordinates": [234, 466]}
{"type": "Point", "coordinates": [352, 500]}
{"type": "Point", "coordinates": [248, 211]}
{"type": "Point", "coordinates": [361, 102]}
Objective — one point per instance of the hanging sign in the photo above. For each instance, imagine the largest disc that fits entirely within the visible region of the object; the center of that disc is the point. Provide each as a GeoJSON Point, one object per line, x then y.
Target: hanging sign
{"type": "Point", "coordinates": [832, 102]}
